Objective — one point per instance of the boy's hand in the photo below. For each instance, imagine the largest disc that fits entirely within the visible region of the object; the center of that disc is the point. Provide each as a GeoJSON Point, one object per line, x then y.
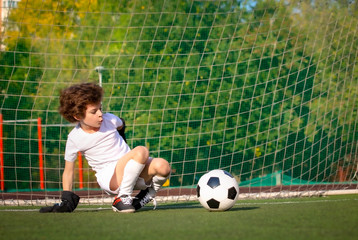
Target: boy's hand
{"type": "Point", "coordinates": [69, 203]}
{"type": "Point", "coordinates": [121, 130]}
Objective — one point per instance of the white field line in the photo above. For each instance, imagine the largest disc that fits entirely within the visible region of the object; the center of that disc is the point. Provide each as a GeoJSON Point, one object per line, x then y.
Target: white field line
{"type": "Point", "coordinates": [183, 198]}
{"type": "Point", "coordinates": [196, 205]}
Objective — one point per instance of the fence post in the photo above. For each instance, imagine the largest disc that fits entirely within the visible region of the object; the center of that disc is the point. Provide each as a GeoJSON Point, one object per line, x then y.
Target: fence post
{"type": "Point", "coordinates": [41, 166]}
{"type": "Point", "coordinates": [2, 178]}
{"type": "Point", "coordinates": [80, 169]}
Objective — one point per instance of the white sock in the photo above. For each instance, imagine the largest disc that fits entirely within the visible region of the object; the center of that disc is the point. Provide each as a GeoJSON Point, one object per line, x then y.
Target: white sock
{"type": "Point", "coordinates": [132, 170]}
{"type": "Point", "coordinates": [158, 182]}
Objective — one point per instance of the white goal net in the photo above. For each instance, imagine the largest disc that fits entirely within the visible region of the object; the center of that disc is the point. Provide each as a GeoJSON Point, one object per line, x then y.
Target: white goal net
{"type": "Point", "coordinates": [266, 90]}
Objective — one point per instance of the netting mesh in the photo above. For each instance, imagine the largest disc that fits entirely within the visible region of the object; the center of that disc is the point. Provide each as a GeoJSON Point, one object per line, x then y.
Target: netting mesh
{"type": "Point", "coordinates": [258, 88]}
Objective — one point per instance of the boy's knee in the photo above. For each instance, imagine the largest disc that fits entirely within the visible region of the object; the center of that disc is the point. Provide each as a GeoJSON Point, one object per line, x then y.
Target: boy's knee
{"type": "Point", "coordinates": [142, 153]}
{"type": "Point", "coordinates": [162, 167]}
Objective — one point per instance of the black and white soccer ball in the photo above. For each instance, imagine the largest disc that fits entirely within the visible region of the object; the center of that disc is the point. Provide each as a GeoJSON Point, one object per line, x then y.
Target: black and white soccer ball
{"type": "Point", "coordinates": [217, 190]}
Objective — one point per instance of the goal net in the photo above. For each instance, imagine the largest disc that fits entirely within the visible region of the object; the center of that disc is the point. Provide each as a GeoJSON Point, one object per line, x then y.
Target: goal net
{"type": "Point", "coordinates": [266, 90]}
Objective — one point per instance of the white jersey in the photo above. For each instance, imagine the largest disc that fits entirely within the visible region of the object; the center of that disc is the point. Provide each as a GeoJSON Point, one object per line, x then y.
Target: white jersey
{"type": "Point", "coordinates": [100, 148]}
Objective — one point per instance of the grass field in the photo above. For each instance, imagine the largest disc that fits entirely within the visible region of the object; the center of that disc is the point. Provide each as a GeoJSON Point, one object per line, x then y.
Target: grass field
{"type": "Point", "coordinates": [332, 217]}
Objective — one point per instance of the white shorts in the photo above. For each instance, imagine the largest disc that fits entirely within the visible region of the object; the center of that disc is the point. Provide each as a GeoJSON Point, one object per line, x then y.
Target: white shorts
{"type": "Point", "coordinates": [104, 177]}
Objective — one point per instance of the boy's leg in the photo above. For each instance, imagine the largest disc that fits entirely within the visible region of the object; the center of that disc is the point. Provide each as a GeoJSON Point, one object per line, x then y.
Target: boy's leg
{"type": "Point", "coordinates": [131, 172]}
{"type": "Point", "coordinates": [137, 159]}
{"type": "Point", "coordinates": [127, 171]}
{"type": "Point", "coordinates": [158, 182]}
{"type": "Point", "coordinates": [156, 171]}
{"type": "Point", "coordinates": [156, 167]}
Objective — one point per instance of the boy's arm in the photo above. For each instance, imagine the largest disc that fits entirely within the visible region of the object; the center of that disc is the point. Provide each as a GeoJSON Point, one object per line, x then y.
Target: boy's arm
{"type": "Point", "coordinates": [69, 200]}
{"type": "Point", "coordinates": [67, 176]}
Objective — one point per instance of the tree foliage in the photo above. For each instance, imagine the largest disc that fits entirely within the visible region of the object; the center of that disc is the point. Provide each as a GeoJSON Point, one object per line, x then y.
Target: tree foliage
{"type": "Point", "coordinates": [249, 86]}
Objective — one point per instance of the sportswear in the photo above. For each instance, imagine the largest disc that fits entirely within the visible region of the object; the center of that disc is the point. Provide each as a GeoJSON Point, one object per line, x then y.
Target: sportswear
{"type": "Point", "coordinates": [123, 204]}
{"type": "Point", "coordinates": [101, 148]}
{"type": "Point", "coordinates": [69, 203]}
{"type": "Point", "coordinates": [144, 197]}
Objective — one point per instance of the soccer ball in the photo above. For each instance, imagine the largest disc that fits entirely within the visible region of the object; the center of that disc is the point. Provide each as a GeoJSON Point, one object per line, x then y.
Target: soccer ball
{"type": "Point", "coordinates": [217, 190]}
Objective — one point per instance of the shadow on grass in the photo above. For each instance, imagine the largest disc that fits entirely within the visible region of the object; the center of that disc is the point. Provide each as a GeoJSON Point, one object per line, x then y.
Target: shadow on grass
{"type": "Point", "coordinates": [166, 206]}
{"type": "Point", "coordinates": [190, 206]}
{"type": "Point", "coordinates": [244, 208]}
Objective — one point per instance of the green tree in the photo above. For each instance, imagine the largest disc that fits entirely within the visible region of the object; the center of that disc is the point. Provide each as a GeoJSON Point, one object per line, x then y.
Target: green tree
{"type": "Point", "coordinates": [249, 86]}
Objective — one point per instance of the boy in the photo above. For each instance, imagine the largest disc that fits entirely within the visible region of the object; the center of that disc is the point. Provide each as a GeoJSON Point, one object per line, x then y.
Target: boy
{"type": "Point", "coordinates": [100, 137]}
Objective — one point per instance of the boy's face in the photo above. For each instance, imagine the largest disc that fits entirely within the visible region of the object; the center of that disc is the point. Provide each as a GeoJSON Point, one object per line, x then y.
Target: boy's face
{"type": "Point", "coordinates": [93, 118]}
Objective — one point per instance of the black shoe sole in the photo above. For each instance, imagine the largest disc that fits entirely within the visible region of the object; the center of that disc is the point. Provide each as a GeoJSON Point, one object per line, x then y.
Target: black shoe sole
{"type": "Point", "coordinates": [123, 210]}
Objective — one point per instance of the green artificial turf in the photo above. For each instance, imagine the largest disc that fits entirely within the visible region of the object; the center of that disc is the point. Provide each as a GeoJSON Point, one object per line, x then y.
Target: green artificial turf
{"type": "Point", "coordinates": [332, 217]}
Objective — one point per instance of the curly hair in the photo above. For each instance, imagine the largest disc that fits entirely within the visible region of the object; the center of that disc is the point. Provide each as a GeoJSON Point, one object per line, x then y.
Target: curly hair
{"type": "Point", "coordinates": [74, 100]}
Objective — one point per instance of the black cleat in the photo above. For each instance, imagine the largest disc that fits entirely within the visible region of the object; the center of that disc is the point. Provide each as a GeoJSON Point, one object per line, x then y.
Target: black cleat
{"type": "Point", "coordinates": [123, 204]}
{"type": "Point", "coordinates": [143, 198]}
